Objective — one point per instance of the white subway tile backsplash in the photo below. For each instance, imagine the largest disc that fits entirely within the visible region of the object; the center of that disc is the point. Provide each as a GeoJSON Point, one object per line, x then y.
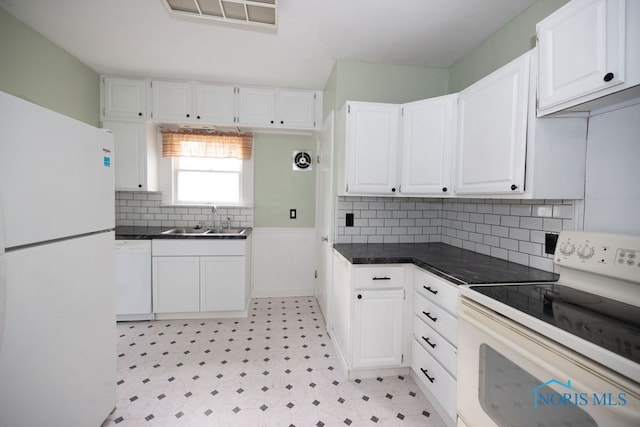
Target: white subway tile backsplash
{"type": "Point", "coordinates": [145, 209]}
{"type": "Point", "coordinates": [507, 229]}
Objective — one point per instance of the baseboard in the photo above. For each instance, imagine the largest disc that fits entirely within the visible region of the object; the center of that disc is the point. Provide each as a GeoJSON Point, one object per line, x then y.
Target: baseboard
{"type": "Point", "coordinates": [282, 293]}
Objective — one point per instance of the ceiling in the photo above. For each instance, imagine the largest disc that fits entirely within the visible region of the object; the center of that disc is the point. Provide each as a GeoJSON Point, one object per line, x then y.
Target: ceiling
{"type": "Point", "coordinates": [141, 38]}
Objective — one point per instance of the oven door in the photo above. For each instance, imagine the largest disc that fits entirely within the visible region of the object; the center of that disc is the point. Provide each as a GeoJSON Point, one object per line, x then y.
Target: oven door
{"type": "Point", "coordinates": [511, 376]}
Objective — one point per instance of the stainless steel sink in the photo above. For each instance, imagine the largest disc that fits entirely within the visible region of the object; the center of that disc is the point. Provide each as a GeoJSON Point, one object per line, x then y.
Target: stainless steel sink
{"type": "Point", "coordinates": [227, 231]}
{"type": "Point", "coordinates": [192, 231]}
{"type": "Point", "coordinates": [186, 231]}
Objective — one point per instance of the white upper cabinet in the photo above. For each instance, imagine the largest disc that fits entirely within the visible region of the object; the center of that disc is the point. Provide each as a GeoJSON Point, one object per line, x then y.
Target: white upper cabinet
{"type": "Point", "coordinates": [134, 159]}
{"type": "Point", "coordinates": [123, 99]}
{"type": "Point", "coordinates": [428, 138]}
{"type": "Point", "coordinates": [296, 108]}
{"type": "Point", "coordinates": [370, 147]}
{"type": "Point", "coordinates": [587, 49]}
{"type": "Point", "coordinates": [492, 132]}
{"type": "Point", "coordinates": [172, 101]}
{"type": "Point", "coordinates": [215, 104]}
{"type": "Point", "coordinates": [256, 106]}
{"type": "Point", "coordinates": [279, 108]}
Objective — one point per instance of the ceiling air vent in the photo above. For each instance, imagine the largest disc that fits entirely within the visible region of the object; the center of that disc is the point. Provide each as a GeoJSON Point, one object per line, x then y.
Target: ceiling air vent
{"type": "Point", "coordinates": [259, 13]}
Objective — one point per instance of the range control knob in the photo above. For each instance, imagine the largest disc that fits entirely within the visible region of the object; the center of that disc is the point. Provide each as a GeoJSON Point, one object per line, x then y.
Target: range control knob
{"type": "Point", "coordinates": [567, 248]}
{"type": "Point", "coordinates": [586, 252]}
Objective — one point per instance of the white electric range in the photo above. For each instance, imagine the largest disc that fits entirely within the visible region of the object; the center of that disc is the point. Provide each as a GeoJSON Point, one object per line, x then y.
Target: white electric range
{"type": "Point", "coordinates": [561, 352]}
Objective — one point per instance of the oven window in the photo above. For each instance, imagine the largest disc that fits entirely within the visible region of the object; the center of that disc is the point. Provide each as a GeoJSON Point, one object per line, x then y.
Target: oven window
{"type": "Point", "coordinates": [508, 394]}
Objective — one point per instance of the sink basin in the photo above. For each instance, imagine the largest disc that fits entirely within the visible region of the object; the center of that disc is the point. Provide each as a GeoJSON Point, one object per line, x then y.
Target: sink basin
{"type": "Point", "coordinates": [186, 231]}
{"type": "Point", "coordinates": [190, 231]}
{"type": "Point", "coordinates": [226, 231]}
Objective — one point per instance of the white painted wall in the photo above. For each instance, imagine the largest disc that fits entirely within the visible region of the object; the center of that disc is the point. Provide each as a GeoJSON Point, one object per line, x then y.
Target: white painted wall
{"type": "Point", "coordinates": [612, 199]}
{"type": "Point", "coordinates": [283, 262]}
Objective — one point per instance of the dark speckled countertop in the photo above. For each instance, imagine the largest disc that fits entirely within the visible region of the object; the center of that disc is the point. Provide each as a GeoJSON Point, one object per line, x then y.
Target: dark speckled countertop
{"type": "Point", "coordinates": [146, 233]}
{"type": "Point", "coordinates": [454, 264]}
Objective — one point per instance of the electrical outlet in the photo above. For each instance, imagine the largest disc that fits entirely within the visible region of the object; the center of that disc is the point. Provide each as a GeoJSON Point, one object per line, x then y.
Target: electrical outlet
{"type": "Point", "coordinates": [292, 214]}
{"type": "Point", "coordinates": [349, 220]}
{"type": "Point", "coordinates": [550, 241]}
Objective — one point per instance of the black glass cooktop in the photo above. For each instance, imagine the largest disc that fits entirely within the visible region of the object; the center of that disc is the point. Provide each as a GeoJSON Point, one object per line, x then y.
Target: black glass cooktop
{"type": "Point", "coordinates": [605, 322]}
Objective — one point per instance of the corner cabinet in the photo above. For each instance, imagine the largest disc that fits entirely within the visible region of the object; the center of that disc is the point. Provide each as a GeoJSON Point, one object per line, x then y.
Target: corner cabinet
{"type": "Point", "coordinates": [123, 99]}
{"type": "Point", "coordinates": [369, 148]}
{"type": "Point", "coordinates": [198, 278]}
{"type": "Point", "coordinates": [492, 132]}
{"type": "Point", "coordinates": [369, 319]}
{"type": "Point", "coordinates": [587, 49]}
{"type": "Point", "coordinates": [428, 138]}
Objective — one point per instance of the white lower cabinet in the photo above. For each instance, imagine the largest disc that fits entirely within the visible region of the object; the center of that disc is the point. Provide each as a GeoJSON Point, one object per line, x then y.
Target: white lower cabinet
{"type": "Point", "coordinates": [370, 318]}
{"type": "Point", "coordinates": [377, 328]}
{"type": "Point", "coordinates": [434, 345]}
{"type": "Point", "coordinates": [200, 276]}
{"type": "Point", "coordinates": [176, 284]}
{"type": "Point", "coordinates": [216, 275]}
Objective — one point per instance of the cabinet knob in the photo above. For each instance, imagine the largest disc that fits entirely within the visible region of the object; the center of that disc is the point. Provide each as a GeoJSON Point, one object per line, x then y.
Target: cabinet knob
{"type": "Point", "coordinates": [359, 296]}
{"type": "Point", "coordinates": [393, 190]}
{"type": "Point", "coordinates": [271, 121]}
{"type": "Point", "coordinates": [139, 185]}
{"type": "Point", "coordinates": [514, 187]}
{"type": "Point", "coordinates": [608, 77]}
{"type": "Point", "coordinates": [444, 189]}
{"type": "Point", "coordinates": [281, 122]}
{"type": "Point", "coordinates": [198, 117]}
{"type": "Point", "coordinates": [140, 114]}
{"type": "Point", "coordinates": [188, 115]}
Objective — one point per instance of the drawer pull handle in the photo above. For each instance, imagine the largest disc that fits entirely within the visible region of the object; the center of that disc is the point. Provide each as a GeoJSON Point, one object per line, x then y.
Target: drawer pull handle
{"type": "Point", "coordinates": [426, 374]}
{"type": "Point", "coordinates": [433, 291]}
{"type": "Point", "coordinates": [381, 278]}
{"type": "Point", "coordinates": [429, 316]}
{"type": "Point", "coordinates": [429, 342]}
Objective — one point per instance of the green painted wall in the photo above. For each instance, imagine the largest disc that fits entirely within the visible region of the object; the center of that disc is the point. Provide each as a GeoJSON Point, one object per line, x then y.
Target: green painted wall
{"type": "Point", "coordinates": [277, 188]}
{"type": "Point", "coordinates": [515, 38]}
{"type": "Point", "coordinates": [363, 81]}
{"type": "Point", "coordinates": [35, 69]}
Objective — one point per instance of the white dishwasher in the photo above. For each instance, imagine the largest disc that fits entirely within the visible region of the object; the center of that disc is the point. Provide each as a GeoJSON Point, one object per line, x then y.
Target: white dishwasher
{"type": "Point", "coordinates": [133, 280]}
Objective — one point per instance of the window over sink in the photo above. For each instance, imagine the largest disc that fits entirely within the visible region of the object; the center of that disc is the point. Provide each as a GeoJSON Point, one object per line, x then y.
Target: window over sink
{"type": "Point", "coordinates": [201, 166]}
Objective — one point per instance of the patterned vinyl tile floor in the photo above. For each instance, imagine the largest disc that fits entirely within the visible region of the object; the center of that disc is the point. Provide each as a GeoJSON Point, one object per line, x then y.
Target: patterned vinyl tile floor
{"type": "Point", "coordinates": [277, 367]}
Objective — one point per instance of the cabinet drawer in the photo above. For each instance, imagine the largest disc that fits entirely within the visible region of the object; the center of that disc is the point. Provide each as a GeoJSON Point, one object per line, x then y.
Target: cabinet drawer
{"type": "Point", "coordinates": [437, 290]}
{"type": "Point", "coordinates": [441, 321]}
{"type": "Point", "coordinates": [435, 378]}
{"type": "Point", "coordinates": [379, 277]}
{"type": "Point", "coordinates": [435, 345]}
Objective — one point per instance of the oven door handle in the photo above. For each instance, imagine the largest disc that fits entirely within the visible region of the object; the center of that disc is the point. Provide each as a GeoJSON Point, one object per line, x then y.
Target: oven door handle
{"type": "Point", "coordinates": [433, 319]}
{"type": "Point", "coordinates": [426, 374]}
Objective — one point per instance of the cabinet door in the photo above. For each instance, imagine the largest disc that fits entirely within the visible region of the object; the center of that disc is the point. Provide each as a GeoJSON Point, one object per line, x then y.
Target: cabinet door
{"type": "Point", "coordinates": [428, 138]}
{"type": "Point", "coordinates": [124, 98]}
{"type": "Point", "coordinates": [176, 284]}
{"type": "Point", "coordinates": [581, 50]}
{"type": "Point", "coordinates": [215, 104]}
{"type": "Point", "coordinates": [492, 130]}
{"type": "Point", "coordinates": [256, 106]}
{"type": "Point", "coordinates": [371, 148]}
{"type": "Point", "coordinates": [130, 155]}
{"type": "Point", "coordinates": [296, 108]}
{"type": "Point", "coordinates": [222, 283]}
{"type": "Point", "coordinates": [377, 328]}
{"type": "Point", "coordinates": [172, 101]}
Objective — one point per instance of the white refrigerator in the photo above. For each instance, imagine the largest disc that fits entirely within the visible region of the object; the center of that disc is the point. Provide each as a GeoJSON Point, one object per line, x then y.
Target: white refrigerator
{"type": "Point", "coordinates": [57, 305]}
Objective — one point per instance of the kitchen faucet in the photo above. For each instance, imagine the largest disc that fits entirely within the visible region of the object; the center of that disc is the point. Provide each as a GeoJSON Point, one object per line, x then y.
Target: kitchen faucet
{"type": "Point", "coordinates": [214, 209]}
